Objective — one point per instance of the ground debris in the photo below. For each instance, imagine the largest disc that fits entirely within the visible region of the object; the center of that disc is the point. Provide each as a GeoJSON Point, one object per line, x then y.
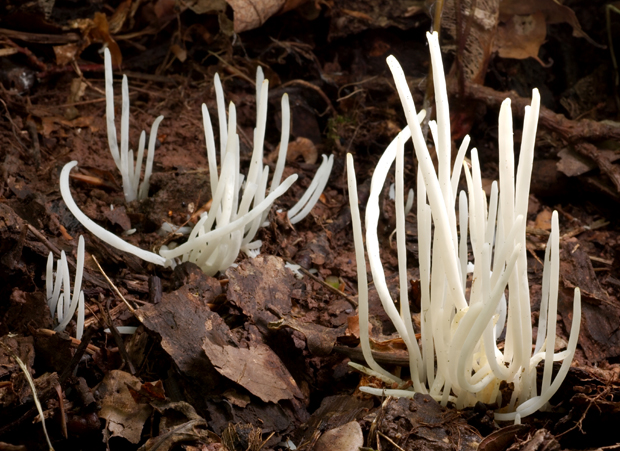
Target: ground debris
{"type": "Point", "coordinates": [422, 424]}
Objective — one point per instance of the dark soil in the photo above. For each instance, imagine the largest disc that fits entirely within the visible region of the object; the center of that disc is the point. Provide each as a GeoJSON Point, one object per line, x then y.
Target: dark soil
{"type": "Point", "coordinates": [254, 357]}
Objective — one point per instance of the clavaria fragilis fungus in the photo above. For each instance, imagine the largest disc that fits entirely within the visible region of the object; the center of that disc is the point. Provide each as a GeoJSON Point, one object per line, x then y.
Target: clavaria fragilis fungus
{"type": "Point", "coordinates": [240, 205]}
{"type": "Point", "coordinates": [230, 201]}
{"type": "Point", "coordinates": [130, 170]}
{"type": "Point", "coordinates": [62, 305]}
{"type": "Point", "coordinates": [459, 359]}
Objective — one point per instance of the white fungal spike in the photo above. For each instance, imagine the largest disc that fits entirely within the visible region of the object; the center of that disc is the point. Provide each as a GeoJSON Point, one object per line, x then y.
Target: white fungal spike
{"type": "Point", "coordinates": [130, 171]}
{"type": "Point", "coordinates": [96, 229]}
{"type": "Point", "coordinates": [55, 301]}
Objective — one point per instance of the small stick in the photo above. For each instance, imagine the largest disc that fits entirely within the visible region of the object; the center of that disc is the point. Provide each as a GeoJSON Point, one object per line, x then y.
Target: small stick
{"type": "Point", "coordinates": [351, 301]}
{"type": "Point", "coordinates": [131, 309]}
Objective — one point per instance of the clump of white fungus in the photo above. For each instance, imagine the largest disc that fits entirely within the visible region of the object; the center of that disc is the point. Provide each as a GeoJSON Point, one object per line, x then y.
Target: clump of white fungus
{"type": "Point", "coordinates": [240, 204]}
{"type": "Point", "coordinates": [457, 358]}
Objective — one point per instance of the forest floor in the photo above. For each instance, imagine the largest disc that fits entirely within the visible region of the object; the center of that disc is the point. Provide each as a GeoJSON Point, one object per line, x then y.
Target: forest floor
{"type": "Point", "coordinates": [271, 370]}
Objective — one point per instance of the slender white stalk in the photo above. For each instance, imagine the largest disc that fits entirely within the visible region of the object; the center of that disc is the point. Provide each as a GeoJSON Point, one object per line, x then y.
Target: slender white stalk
{"type": "Point", "coordinates": [79, 327]}
{"type": "Point", "coordinates": [532, 405]}
{"type": "Point", "coordinates": [144, 187]}
{"type": "Point", "coordinates": [401, 242]}
{"type": "Point", "coordinates": [458, 163]}
{"type": "Point", "coordinates": [59, 304]}
{"type": "Point", "coordinates": [433, 189]}
{"type": "Point", "coordinates": [138, 168]}
{"type": "Point", "coordinates": [221, 114]}
{"type": "Point", "coordinates": [77, 287]}
{"type": "Point", "coordinates": [109, 108]}
{"type": "Point", "coordinates": [96, 229]}
{"type": "Point", "coordinates": [284, 137]}
{"type": "Point", "coordinates": [362, 279]}
{"type": "Point", "coordinates": [210, 142]}
{"type": "Point", "coordinates": [49, 277]}
{"type": "Point", "coordinates": [313, 193]}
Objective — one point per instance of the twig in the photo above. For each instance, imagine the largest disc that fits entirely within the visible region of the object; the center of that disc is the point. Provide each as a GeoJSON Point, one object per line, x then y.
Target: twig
{"type": "Point", "coordinates": [389, 440]}
{"type": "Point", "coordinates": [612, 171]}
{"type": "Point", "coordinates": [79, 352]}
{"type": "Point", "coordinates": [31, 56]}
{"type": "Point", "coordinates": [37, 403]}
{"type": "Point", "coordinates": [319, 91]}
{"type": "Point", "coordinates": [129, 306]}
{"type": "Point", "coordinates": [91, 349]}
{"type": "Point", "coordinates": [568, 129]}
{"type": "Point", "coordinates": [233, 69]}
{"type": "Point", "coordinates": [351, 301]}
{"type": "Point", "coordinates": [41, 38]}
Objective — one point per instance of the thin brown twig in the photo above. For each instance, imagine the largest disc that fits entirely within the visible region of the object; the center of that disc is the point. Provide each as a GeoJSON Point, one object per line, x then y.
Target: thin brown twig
{"type": "Point", "coordinates": [319, 91]}
{"type": "Point", "coordinates": [351, 301]}
{"type": "Point", "coordinates": [129, 306]}
{"type": "Point", "coordinates": [389, 440]}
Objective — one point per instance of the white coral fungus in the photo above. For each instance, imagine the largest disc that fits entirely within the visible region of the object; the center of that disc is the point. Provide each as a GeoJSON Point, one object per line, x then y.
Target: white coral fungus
{"type": "Point", "coordinates": [62, 305]}
{"type": "Point", "coordinates": [457, 358]}
{"type": "Point", "coordinates": [241, 200]}
{"type": "Point", "coordinates": [130, 170]}
{"type": "Point", "coordinates": [240, 204]}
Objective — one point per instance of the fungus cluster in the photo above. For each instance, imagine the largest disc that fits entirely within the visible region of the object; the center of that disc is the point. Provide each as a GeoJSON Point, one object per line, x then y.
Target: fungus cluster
{"type": "Point", "coordinates": [240, 204]}
{"type": "Point", "coordinates": [62, 305]}
{"type": "Point", "coordinates": [123, 158]}
{"type": "Point", "coordinates": [458, 358]}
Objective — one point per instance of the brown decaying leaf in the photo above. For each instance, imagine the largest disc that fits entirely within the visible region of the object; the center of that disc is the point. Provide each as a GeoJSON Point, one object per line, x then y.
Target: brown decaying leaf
{"type": "Point", "coordinates": [206, 6]}
{"type": "Point", "coordinates": [301, 147]}
{"type": "Point", "coordinates": [502, 438]}
{"type": "Point", "coordinates": [118, 216]}
{"type": "Point", "coordinates": [543, 219]}
{"type": "Point", "coordinates": [250, 14]}
{"type": "Point", "coordinates": [97, 30]}
{"type": "Point", "coordinates": [521, 36]}
{"type": "Point", "coordinates": [320, 339]}
{"type": "Point", "coordinates": [256, 368]}
{"type": "Point", "coordinates": [573, 164]}
{"type": "Point", "coordinates": [179, 423]}
{"type": "Point", "coordinates": [125, 417]}
{"type": "Point", "coordinates": [553, 11]}
{"type": "Point", "coordinates": [259, 286]}
{"type": "Point", "coordinates": [347, 437]}
{"type": "Point", "coordinates": [56, 123]}
{"type": "Point", "coordinates": [433, 424]}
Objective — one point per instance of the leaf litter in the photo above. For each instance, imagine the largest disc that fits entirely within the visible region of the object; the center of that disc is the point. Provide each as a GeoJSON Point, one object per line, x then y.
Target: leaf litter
{"type": "Point", "coordinates": [257, 358]}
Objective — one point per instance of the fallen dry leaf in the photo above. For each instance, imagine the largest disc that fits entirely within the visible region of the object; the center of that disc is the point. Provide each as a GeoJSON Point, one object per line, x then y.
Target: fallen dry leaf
{"type": "Point", "coordinates": [543, 219]}
{"type": "Point", "coordinates": [206, 6]}
{"type": "Point", "coordinates": [250, 14]}
{"type": "Point", "coordinates": [179, 423]}
{"type": "Point", "coordinates": [347, 437]}
{"type": "Point", "coordinates": [56, 123]}
{"type": "Point", "coordinates": [256, 368]}
{"type": "Point", "coordinates": [125, 417]}
{"type": "Point", "coordinates": [521, 36]}
{"type": "Point", "coordinates": [259, 283]}
{"type": "Point", "coordinates": [482, 22]}
{"type": "Point", "coordinates": [553, 11]}
{"type": "Point", "coordinates": [572, 164]}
